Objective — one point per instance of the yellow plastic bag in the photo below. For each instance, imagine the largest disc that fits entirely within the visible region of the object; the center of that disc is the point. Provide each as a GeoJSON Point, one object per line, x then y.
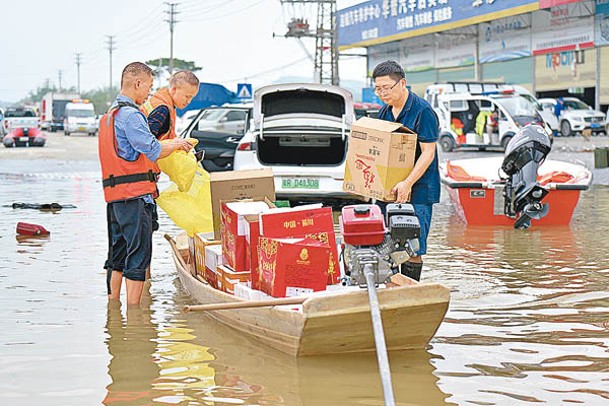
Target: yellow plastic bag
{"type": "Point", "coordinates": [190, 210]}
{"type": "Point", "coordinates": [180, 166]}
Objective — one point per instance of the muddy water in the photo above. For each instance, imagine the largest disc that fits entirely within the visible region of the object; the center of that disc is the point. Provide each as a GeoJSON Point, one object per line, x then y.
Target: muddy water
{"type": "Point", "coordinates": [528, 321]}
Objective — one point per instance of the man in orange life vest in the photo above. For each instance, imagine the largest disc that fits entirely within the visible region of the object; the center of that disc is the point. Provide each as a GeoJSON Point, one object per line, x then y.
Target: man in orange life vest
{"type": "Point", "coordinates": [160, 109]}
{"type": "Point", "coordinates": [128, 152]}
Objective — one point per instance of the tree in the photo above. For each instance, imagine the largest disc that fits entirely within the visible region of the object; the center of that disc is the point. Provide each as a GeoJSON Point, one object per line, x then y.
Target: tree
{"type": "Point", "coordinates": [101, 98]}
{"type": "Point", "coordinates": [162, 64]}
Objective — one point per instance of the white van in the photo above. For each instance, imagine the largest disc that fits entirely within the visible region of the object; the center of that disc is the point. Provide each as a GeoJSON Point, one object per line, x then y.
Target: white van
{"type": "Point", "coordinates": [464, 116]}
{"type": "Point", "coordinates": [80, 118]}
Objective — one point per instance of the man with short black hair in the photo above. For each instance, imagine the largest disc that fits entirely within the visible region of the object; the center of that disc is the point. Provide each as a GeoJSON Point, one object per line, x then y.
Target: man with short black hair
{"type": "Point", "coordinates": [128, 153]}
{"type": "Point", "coordinates": [422, 186]}
{"type": "Point", "coordinates": [160, 109]}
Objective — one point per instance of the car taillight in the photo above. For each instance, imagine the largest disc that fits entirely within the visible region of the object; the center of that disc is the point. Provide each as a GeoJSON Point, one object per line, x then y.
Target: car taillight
{"type": "Point", "coordinates": [246, 146]}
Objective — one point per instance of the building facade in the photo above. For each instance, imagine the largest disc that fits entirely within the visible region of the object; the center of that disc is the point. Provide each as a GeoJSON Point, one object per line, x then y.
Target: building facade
{"type": "Point", "coordinates": [552, 47]}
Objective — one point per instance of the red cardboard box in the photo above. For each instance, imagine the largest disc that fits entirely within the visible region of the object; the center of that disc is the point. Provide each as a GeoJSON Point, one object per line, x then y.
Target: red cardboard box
{"type": "Point", "coordinates": [293, 266]}
{"type": "Point", "coordinates": [252, 243]}
{"type": "Point", "coordinates": [233, 229]}
{"type": "Point", "coordinates": [316, 223]}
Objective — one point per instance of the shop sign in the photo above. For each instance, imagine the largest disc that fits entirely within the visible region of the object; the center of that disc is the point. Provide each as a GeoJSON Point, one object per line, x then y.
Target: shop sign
{"type": "Point", "coordinates": [505, 39]}
{"type": "Point", "coordinates": [372, 21]}
{"type": "Point", "coordinates": [601, 22]}
{"type": "Point", "coordinates": [560, 29]}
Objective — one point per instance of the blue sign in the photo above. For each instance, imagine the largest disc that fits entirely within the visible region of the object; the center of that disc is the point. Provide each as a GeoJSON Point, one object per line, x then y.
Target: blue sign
{"type": "Point", "coordinates": [369, 22]}
{"type": "Point", "coordinates": [244, 91]}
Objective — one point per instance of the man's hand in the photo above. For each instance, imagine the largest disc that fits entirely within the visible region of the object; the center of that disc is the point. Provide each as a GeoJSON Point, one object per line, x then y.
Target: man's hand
{"type": "Point", "coordinates": [402, 191]}
{"type": "Point", "coordinates": [181, 144]}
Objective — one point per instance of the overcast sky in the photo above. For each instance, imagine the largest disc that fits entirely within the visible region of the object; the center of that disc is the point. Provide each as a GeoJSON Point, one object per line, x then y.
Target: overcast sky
{"type": "Point", "coordinates": [231, 39]}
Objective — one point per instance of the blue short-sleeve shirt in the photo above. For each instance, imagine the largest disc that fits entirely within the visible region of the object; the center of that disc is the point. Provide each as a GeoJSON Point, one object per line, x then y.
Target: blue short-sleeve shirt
{"type": "Point", "coordinates": [418, 116]}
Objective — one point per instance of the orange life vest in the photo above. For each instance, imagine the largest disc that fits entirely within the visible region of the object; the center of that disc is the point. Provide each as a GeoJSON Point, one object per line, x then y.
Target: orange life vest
{"type": "Point", "coordinates": [162, 98]}
{"type": "Point", "coordinates": [123, 179]}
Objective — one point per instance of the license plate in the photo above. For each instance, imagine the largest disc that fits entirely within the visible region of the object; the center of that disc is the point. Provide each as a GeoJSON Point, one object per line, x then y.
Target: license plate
{"type": "Point", "coordinates": [596, 125]}
{"type": "Point", "coordinates": [82, 128]}
{"type": "Point", "coordinates": [300, 183]}
{"type": "Point", "coordinates": [24, 139]}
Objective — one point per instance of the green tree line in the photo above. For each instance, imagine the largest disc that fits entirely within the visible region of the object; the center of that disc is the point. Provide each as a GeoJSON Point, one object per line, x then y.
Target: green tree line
{"type": "Point", "coordinates": [103, 96]}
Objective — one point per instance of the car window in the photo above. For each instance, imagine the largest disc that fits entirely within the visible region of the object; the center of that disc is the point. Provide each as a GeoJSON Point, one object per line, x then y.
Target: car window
{"type": "Point", "coordinates": [80, 113]}
{"type": "Point", "coordinates": [236, 116]}
{"type": "Point", "coordinates": [576, 105]}
{"type": "Point", "coordinates": [212, 114]}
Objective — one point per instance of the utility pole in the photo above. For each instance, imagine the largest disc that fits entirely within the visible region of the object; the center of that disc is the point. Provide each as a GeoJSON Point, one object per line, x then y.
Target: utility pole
{"type": "Point", "coordinates": [59, 73]}
{"type": "Point", "coordinates": [111, 47]}
{"type": "Point", "coordinates": [172, 21]}
{"type": "Point", "coordinates": [326, 49]}
{"type": "Point", "coordinates": [78, 61]}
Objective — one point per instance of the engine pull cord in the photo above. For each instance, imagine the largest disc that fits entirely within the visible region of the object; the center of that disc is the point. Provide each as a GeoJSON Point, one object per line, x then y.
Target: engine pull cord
{"type": "Point", "coordinates": [379, 337]}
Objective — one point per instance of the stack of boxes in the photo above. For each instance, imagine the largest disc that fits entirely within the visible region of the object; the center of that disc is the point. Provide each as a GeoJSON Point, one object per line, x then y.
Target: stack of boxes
{"type": "Point", "coordinates": [264, 251]}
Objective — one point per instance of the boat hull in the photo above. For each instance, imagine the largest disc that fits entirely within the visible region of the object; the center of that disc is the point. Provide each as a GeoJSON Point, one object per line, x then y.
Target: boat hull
{"type": "Point", "coordinates": [331, 323]}
{"type": "Point", "coordinates": [477, 206]}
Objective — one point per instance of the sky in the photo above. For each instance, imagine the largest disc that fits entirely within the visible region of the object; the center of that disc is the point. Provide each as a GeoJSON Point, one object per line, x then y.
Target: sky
{"type": "Point", "coordinates": [231, 39]}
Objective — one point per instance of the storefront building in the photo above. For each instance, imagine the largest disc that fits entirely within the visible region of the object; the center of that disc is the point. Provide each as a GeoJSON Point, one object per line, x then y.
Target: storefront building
{"type": "Point", "coordinates": [553, 47]}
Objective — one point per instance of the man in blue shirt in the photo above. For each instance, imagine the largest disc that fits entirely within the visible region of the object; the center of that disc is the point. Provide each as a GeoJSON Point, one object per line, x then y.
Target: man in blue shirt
{"type": "Point", "coordinates": [130, 218]}
{"type": "Point", "coordinates": [422, 186]}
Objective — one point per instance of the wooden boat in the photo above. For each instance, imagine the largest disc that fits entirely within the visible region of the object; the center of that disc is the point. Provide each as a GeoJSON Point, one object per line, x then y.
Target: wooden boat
{"type": "Point", "coordinates": [330, 323]}
{"type": "Point", "coordinates": [475, 190]}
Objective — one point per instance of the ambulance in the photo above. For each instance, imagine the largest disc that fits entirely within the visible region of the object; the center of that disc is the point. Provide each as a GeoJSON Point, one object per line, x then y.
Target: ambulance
{"type": "Point", "coordinates": [481, 115]}
{"type": "Point", "coordinates": [80, 118]}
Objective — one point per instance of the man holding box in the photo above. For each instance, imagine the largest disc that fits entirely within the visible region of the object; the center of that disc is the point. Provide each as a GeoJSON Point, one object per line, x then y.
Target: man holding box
{"type": "Point", "coordinates": [422, 186]}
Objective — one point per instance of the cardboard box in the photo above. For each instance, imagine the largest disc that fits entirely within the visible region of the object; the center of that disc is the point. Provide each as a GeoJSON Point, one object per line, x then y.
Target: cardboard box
{"type": "Point", "coordinates": [293, 266]}
{"type": "Point", "coordinates": [380, 154]}
{"type": "Point", "coordinates": [232, 185]}
{"type": "Point", "coordinates": [311, 221]}
{"type": "Point", "coordinates": [202, 240]}
{"type": "Point", "coordinates": [233, 228]}
{"type": "Point", "coordinates": [230, 278]}
{"type": "Point", "coordinates": [213, 259]}
{"type": "Point", "coordinates": [252, 243]}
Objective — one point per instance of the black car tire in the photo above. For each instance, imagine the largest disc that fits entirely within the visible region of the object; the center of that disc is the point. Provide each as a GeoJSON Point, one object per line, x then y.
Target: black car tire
{"type": "Point", "coordinates": [565, 128]}
{"type": "Point", "coordinates": [505, 141]}
{"type": "Point", "coordinates": [447, 143]}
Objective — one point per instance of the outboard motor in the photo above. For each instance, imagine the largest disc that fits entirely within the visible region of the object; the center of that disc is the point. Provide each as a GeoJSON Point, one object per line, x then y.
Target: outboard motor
{"type": "Point", "coordinates": [523, 194]}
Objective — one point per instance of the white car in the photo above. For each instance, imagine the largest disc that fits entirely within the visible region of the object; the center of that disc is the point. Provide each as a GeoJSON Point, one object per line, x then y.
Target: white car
{"type": "Point", "coordinates": [575, 117]}
{"type": "Point", "coordinates": [183, 121]}
{"type": "Point", "coordinates": [300, 131]}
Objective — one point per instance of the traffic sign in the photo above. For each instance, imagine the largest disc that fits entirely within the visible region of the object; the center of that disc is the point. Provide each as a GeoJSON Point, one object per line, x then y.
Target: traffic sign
{"type": "Point", "coordinates": [244, 91]}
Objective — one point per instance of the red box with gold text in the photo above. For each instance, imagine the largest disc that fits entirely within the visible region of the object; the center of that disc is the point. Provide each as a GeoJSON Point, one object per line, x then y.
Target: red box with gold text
{"type": "Point", "coordinates": [293, 266]}
{"type": "Point", "coordinates": [315, 223]}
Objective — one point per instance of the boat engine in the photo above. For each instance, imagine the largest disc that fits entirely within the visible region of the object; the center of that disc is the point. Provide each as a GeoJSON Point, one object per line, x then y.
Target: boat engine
{"type": "Point", "coordinates": [385, 244]}
{"type": "Point", "coordinates": [523, 194]}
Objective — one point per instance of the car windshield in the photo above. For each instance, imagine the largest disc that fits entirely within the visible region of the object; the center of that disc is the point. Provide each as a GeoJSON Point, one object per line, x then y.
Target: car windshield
{"type": "Point", "coordinates": [80, 113]}
{"type": "Point", "coordinates": [517, 106]}
{"type": "Point", "coordinates": [20, 113]}
{"type": "Point", "coordinates": [212, 114]}
{"type": "Point", "coordinates": [575, 105]}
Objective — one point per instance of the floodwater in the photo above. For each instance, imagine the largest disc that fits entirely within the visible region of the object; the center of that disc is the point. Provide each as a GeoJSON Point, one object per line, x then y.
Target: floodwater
{"type": "Point", "coordinates": [528, 321]}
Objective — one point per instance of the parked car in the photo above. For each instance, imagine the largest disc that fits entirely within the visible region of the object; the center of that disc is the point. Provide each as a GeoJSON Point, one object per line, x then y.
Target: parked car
{"type": "Point", "coordinates": [576, 116]}
{"type": "Point", "coordinates": [183, 122]}
{"type": "Point", "coordinates": [463, 117]}
{"type": "Point", "coordinates": [300, 131]}
{"type": "Point", "coordinates": [218, 130]}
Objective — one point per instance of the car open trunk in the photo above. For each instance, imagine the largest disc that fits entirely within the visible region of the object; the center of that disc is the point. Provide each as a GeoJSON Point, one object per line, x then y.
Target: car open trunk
{"type": "Point", "coordinates": [298, 124]}
{"type": "Point", "coordinates": [302, 146]}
